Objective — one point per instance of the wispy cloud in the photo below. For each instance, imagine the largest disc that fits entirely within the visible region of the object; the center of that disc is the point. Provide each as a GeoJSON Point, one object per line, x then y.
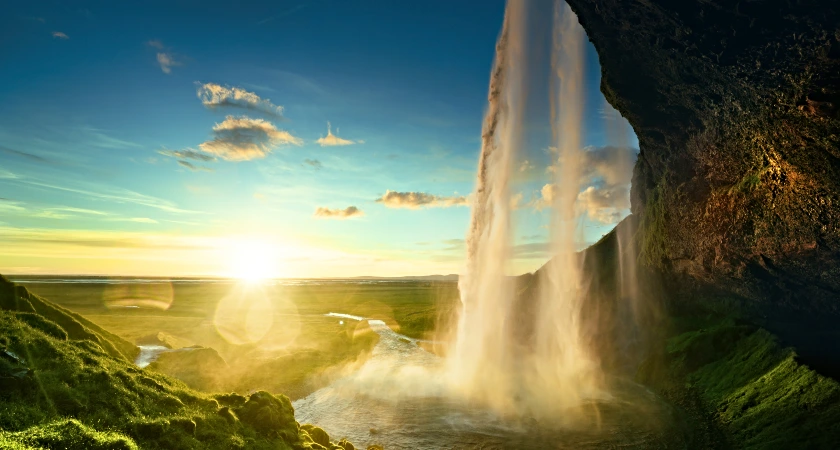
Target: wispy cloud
{"type": "Point", "coordinates": [339, 214]}
{"type": "Point", "coordinates": [60, 35]}
{"type": "Point", "coordinates": [107, 193]}
{"type": "Point", "coordinates": [99, 138]}
{"type": "Point", "coordinates": [243, 138]}
{"type": "Point", "coordinates": [331, 140]}
{"type": "Point", "coordinates": [213, 95]}
{"type": "Point", "coordinates": [313, 163]}
{"type": "Point", "coordinates": [166, 62]}
{"type": "Point", "coordinates": [15, 208]}
{"type": "Point", "coordinates": [415, 200]}
{"type": "Point", "coordinates": [282, 14]}
{"type": "Point", "coordinates": [193, 167]}
{"type": "Point", "coordinates": [165, 58]}
{"type": "Point", "coordinates": [187, 154]}
{"type": "Point", "coordinates": [93, 239]}
{"type": "Point", "coordinates": [25, 155]}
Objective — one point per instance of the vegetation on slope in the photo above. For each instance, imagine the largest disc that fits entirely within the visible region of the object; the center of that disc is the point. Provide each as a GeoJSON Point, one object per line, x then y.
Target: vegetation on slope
{"type": "Point", "coordinates": [742, 389]}
{"type": "Point", "coordinates": [60, 388]}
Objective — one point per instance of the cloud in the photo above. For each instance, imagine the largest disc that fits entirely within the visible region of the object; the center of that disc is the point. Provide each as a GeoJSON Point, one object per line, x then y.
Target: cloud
{"type": "Point", "coordinates": [415, 200]}
{"type": "Point", "coordinates": [108, 193]}
{"type": "Point", "coordinates": [193, 167]}
{"type": "Point", "coordinates": [134, 219]}
{"type": "Point", "coordinates": [613, 164]}
{"type": "Point", "coordinates": [60, 35]}
{"type": "Point", "coordinates": [607, 173]}
{"type": "Point", "coordinates": [314, 163]}
{"type": "Point", "coordinates": [605, 204]}
{"type": "Point", "coordinates": [166, 62]}
{"type": "Point", "coordinates": [331, 140]}
{"type": "Point", "coordinates": [243, 138]}
{"type": "Point", "coordinates": [213, 95]}
{"type": "Point", "coordinates": [29, 156]}
{"type": "Point", "coordinates": [526, 166]}
{"type": "Point", "coordinates": [282, 14]}
{"type": "Point", "coordinates": [546, 197]}
{"type": "Point", "coordinates": [187, 154]}
{"type": "Point", "coordinates": [165, 58]}
{"type": "Point", "coordinates": [339, 214]}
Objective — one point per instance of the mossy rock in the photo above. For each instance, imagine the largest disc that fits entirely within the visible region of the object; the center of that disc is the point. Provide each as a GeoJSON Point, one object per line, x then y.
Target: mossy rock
{"type": "Point", "coordinates": [271, 416]}
{"type": "Point", "coordinates": [317, 434]}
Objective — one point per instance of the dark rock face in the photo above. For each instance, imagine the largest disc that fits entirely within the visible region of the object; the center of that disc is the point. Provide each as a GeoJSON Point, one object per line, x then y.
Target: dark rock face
{"type": "Point", "coordinates": [737, 108]}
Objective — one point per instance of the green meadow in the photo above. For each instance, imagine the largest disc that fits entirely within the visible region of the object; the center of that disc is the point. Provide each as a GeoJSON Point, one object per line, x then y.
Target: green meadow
{"type": "Point", "coordinates": [271, 337]}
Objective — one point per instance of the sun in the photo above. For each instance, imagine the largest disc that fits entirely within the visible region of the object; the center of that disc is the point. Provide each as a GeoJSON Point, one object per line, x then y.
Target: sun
{"type": "Point", "coordinates": [252, 259]}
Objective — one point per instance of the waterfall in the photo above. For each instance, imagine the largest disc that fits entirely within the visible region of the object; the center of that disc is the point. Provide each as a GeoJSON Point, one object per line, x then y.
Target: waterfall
{"type": "Point", "coordinates": [486, 364]}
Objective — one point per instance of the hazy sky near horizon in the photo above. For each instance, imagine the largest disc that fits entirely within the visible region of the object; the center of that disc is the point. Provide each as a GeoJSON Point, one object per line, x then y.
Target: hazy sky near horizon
{"type": "Point", "coordinates": [181, 138]}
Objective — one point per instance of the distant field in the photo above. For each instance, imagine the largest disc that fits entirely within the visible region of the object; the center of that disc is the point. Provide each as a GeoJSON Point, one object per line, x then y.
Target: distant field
{"type": "Point", "coordinates": [273, 337]}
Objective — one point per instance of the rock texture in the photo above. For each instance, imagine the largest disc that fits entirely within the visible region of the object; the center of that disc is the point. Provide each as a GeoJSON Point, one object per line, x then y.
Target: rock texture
{"type": "Point", "coordinates": [737, 108]}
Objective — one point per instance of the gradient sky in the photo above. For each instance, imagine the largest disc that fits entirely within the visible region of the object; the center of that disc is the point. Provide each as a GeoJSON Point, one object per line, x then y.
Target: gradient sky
{"type": "Point", "coordinates": [181, 138]}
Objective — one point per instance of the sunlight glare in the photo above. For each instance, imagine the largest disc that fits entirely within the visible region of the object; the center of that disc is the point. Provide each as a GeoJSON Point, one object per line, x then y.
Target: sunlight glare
{"type": "Point", "coordinates": [252, 259]}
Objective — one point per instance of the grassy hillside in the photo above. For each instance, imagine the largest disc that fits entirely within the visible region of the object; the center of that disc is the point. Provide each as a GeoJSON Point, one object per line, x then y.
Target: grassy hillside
{"type": "Point", "coordinates": [742, 389]}
{"type": "Point", "coordinates": [64, 384]}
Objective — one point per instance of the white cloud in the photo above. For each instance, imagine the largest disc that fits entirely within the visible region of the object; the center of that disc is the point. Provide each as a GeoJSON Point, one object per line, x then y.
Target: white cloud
{"type": "Point", "coordinates": [60, 35]}
{"type": "Point", "coordinates": [338, 214]}
{"type": "Point", "coordinates": [331, 140]}
{"type": "Point", "coordinates": [415, 200]}
{"type": "Point", "coordinates": [604, 204]}
{"type": "Point", "coordinates": [213, 95]}
{"type": "Point", "coordinates": [607, 173]}
{"type": "Point", "coordinates": [242, 138]}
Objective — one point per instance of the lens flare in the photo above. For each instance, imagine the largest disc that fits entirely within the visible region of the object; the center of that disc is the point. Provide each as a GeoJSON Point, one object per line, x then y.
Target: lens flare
{"type": "Point", "coordinates": [245, 315]}
{"type": "Point", "coordinates": [156, 295]}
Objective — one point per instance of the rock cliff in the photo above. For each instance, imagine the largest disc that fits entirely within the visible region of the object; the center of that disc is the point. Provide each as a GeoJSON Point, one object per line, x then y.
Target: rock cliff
{"type": "Point", "coordinates": [737, 187]}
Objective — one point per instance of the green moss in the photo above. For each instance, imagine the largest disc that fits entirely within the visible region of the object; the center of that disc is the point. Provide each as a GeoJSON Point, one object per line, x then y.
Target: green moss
{"type": "Point", "coordinates": [68, 390]}
{"type": "Point", "coordinates": [652, 233]}
{"type": "Point", "coordinates": [752, 388]}
{"type": "Point", "coordinates": [39, 322]}
{"type": "Point", "coordinates": [317, 434]}
{"type": "Point", "coordinates": [66, 434]}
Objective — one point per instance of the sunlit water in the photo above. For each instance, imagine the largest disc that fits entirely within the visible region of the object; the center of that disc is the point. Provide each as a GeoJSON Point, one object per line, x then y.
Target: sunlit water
{"type": "Point", "coordinates": [399, 399]}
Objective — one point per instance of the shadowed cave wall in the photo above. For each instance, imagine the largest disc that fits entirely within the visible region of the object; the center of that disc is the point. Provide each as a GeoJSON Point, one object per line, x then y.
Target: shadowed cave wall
{"type": "Point", "coordinates": [737, 186]}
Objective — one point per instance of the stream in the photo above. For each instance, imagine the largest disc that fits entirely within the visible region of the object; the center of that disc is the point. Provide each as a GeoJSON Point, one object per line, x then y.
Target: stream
{"type": "Point", "coordinates": [398, 398]}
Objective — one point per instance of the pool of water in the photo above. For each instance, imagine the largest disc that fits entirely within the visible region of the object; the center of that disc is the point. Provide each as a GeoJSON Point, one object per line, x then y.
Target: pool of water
{"type": "Point", "coordinates": [399, 399]}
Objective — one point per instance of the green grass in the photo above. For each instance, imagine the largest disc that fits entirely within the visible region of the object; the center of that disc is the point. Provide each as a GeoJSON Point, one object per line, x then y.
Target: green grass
{"type": "Point", "coordinates": [753, 392]}
{"type": "Point", "coordinates": [60, 391]}
{"type": "Point", "coordinates": [301, 351]}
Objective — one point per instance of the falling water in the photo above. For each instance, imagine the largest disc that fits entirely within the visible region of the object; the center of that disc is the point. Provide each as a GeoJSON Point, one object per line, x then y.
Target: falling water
{"type": "Point", "coordinates": [513, 357]}
{"type": "Point", "coordinates": [556, 371]}
{"type": "Point", "coordinates": [481, 361]}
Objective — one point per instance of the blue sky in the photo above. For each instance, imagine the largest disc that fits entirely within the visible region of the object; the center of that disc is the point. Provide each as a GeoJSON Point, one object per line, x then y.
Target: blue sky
{"type": "Point", "coordinates": [176, 138]}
